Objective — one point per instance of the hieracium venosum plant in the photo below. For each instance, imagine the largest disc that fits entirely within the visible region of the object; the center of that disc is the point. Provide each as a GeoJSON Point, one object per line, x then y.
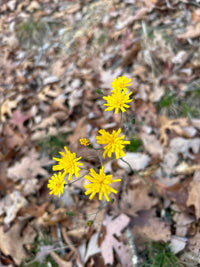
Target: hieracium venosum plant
{"type": "Point", "coordinates": [113, 145]}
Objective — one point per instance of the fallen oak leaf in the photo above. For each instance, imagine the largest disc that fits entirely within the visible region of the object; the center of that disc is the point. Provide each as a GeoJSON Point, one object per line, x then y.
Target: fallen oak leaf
{"type": "Point", "coordinates": [18, 120]}
{"type": "Point", "coordinates": [12, 242]}
{"type": "Point", "coordinates": [114, 227]}
{"type": "Point", "coordinates": [28, 167]}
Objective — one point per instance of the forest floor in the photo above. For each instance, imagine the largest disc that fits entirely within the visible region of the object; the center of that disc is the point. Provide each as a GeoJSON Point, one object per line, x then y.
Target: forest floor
{"type": "Point", "coordinates": [57, 57]}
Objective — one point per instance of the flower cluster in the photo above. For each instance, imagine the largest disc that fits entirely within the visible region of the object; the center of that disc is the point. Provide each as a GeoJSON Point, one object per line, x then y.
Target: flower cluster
{"type": "Point", "coordinates": [114, 144]}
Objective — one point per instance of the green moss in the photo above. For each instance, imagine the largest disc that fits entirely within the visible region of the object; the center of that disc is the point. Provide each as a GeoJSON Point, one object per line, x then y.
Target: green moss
{"type": "Point", "coordinates": [53, 144]}
{"type": "Point", "coordinates": [167, 100]}
{"type": "Point", "coordinates": [135, 145]}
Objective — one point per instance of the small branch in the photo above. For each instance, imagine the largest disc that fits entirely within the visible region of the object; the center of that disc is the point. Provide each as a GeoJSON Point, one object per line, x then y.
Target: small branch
{"type": "Point", "coordinates": [132, 246]}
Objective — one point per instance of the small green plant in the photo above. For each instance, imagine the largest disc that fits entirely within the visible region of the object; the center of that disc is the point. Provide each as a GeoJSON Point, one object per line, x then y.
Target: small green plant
{"type": "Point", "coordinates": [167, 100]}
{"type": "Point", "coordinates": [41, 240]}
{"type": "Point", "coordinates": [175, 106]}
{"type": "Point", "coordinates": [31, 32]}
{"type": "Point", "coordinates": [135, 145]}
{"type": "Point", "coordinates": [159, 255]}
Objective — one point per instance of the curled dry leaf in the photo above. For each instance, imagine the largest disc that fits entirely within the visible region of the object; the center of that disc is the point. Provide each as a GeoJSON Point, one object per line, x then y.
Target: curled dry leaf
{"type": "Point", "coordinates": [60, 261]}
{"type": "Point", "coordinates": [168, 126]}
{"type": "Point", "coordinates": [194, 197]}
{"type": "Point", "coordinates": [11, 204]}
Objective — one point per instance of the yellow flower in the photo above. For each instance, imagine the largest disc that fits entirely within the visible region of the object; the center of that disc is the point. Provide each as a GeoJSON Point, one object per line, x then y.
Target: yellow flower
{"type": "Point", "coordinates": [69, 163]}
{"type": "Point", "coordinates": [56, 184]}
{"type": "Point", "coordinates": [100, 184]}
{"type": "Point", "coordinates": [114, 143]}
{"type": "Point", "coordinates": [118, 100]}
{"type": "Point", "coordinates": [84, 142]}
{"type": "Point", "coordinates": [121, 82]}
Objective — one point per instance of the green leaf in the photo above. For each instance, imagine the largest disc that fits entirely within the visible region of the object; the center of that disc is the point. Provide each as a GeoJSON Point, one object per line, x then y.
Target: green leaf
{"type": "Point", "coordinates": [98, 91]}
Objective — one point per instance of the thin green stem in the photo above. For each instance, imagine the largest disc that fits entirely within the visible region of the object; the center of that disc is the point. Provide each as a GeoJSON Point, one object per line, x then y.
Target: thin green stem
{"type": "Point", "coordinates": [69, 184]}
{"type": "Point", "coordinates": [89, 157]}
{"type": "Point", "coordinates": [136, 172]}
{"type": "Point", "coordinates": [99, 158]}
{"type": "Point", "coordinates": [120, 125]}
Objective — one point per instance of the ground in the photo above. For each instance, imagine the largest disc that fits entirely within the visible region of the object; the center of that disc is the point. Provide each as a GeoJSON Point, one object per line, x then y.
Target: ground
{"type": "Point", "coordinates": [58, 59]}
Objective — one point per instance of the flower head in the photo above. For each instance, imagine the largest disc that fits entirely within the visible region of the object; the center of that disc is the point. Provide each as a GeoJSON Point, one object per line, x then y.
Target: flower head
{"type": "Point", "coordinates": [56, 184]}
{"type": "Point", "coordinates": [100, 183]}
{"type": "Point", "coordinates": [68, 163]}
{"type": "Point", "coordinates": [84, 142]}
{"type": "Point", "coordinates": [115, 144]}
{"type": "Point", "coordinates": [118, 100]}
{"type": "Point", "coordinates": [121, 82]}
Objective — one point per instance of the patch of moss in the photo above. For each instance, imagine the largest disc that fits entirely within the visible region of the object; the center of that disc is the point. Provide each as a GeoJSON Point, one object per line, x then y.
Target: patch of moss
{"type": "Point", "coordinates": [135, 145]}
{"type": "Point", "coordinates": [53, 144]}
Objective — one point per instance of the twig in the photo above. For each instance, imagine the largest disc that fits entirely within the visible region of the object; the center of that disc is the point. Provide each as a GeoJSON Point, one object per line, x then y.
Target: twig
{"type": "Point", "coordinates": [62, 251]}
{"type": "Point", "coordinates": [71, 245]}
{"type": "Point", "coordinates": [132, 246]}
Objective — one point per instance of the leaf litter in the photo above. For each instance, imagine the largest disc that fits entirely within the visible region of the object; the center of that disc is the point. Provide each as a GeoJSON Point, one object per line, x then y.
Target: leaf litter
{"type": "Point", "coordinates": [56, 57]}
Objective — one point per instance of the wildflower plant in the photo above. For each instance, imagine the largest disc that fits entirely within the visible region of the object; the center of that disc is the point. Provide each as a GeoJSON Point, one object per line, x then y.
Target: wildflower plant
{"type": "Point", "coordinates": [113, 142]}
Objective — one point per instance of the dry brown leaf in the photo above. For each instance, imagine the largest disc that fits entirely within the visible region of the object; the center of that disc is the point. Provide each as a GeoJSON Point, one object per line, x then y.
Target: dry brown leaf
{"type": "Point", "coordinates": [131, 55]}
{"type": "Point", "coordinates": [6, 108]}
{"type": "Point", "coordinates": [18, 120]}
{"type": "Point", "coordinates": [58, 69]}
{"type": "Point", "coordinates": [54, 217]}
{"type": "Point", "coordinates": [91, 249]}
{"type": "Point", "coordinates": [33, 210]}
{"type": "Point", "coordinates": [192, 32]}
{"type": "Point", "coordinates": [183, 222]}
{"type": "Point", "coordinates": [130, 19]}
{"type": "Point", "coordinates": [196, 15]}
{"type": "Point", "coordinates": [137, 199]}
{"type": "Point", "coordinates": [147, 226]}
{"type": "Point", "coordinates": [12, 140]}
{"type": "Point", "coordinates": [185, 146]}
{"type": "Point", "coordinates": [151, 144]}
{"type": "Point", "coordinates": [194, 197]}
{"type": "Point", "coordinates": [73, 8]}
{"type": "Point", "coordinates": [168, 126]}
{"type": "Point", "coordinates": [12, 242]}
{"type": "Point", "coordinates": [11, 204]}
{"type": "Point", "coordinates": [177, 244]}
{"type": "Point", "coordinates": [185, 168]}
{"type": "Point", "coordinates": [114, 227]}
{"type": "Point", "coordinates": [29, 167]}
{"type": "Point", "coordinates": [3, 176]}
{"type": "Point", "coordinates": [60, 261]}
{"type": "Point", "coordinates": [79, 132]}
